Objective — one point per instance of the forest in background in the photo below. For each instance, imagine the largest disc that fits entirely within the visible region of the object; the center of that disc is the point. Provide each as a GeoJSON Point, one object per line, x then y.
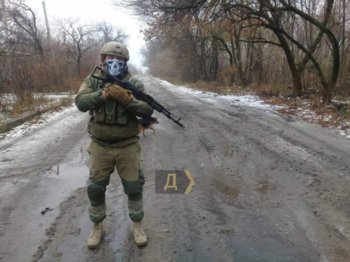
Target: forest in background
{"type": "Point", "coordinates": [299, 47]}
{"type": "Point", "coordinates": [36, 57]}
{"type": "Point", "coordinates": [295, 48]}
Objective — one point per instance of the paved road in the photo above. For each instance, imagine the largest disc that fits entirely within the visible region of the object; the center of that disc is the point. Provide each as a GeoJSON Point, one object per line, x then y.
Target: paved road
{"type": "Point", "coordinates": [268, 188]}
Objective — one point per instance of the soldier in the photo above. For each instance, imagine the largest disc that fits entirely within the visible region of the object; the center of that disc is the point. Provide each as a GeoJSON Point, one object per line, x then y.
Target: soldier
{"type": "Point", "coordinates": [114, 129]}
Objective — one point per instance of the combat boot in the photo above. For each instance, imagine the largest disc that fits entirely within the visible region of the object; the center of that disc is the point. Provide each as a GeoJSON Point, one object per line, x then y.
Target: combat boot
{"type": "Point", "coordinates": [96, 235]}
{"type": "Point", "coordinates": [140, 237]}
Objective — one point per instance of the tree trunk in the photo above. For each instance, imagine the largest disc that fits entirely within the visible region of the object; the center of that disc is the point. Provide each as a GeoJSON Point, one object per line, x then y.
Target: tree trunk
{"type": "Point", "coordinates": [296, 73]}
{"type": "Point", "coordinates": [297, 83]}
{"type": "Point", "coordinates": [327, 94]}
{"type": "Point", "coordinates": [237, 55]}
{"type": "Point", "coordinates": [215, 61]}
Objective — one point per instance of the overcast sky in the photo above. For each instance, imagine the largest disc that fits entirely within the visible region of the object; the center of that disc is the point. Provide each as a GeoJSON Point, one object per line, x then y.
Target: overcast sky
{"type": "Point", "coordinates": [89, 11]}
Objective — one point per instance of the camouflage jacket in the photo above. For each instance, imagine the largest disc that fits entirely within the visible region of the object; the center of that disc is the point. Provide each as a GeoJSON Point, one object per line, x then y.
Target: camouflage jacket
{"type": "Point", "coordinates": [111, 124]}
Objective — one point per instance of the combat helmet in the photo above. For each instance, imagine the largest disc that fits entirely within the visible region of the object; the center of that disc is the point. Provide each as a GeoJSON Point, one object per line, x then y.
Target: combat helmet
{"type": "Point", "coordinates": [115, 48]}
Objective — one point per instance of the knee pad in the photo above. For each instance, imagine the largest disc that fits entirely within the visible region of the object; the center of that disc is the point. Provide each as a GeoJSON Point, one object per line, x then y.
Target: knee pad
{"type": "Point", "coordinates": [133, 189]}
{"type": "Point", "coordinates": [96, 192]}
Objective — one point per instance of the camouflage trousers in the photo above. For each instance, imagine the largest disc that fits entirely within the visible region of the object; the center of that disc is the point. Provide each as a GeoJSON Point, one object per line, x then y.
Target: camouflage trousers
{"type": "Point", "coordinates": [103, 162]}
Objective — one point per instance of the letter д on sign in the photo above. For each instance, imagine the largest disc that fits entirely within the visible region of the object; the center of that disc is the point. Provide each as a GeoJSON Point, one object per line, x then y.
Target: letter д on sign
{"type": "Point", "coordinates": [174, 182]}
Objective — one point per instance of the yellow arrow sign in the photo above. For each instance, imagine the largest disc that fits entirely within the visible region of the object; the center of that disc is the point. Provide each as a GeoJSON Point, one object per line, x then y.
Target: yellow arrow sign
{"type": "Point", "coordinates": [191, 184]}
{"type": "Point", "coordinates": [174, 182]}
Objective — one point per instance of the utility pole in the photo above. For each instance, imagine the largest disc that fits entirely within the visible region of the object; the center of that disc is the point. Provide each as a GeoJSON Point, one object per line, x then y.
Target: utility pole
{"type": "Point", "coordinates": [47, 23]}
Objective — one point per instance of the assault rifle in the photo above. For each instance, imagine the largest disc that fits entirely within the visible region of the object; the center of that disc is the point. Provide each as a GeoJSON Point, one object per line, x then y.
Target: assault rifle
{"type": "Point", "coordinates": [138, 94]}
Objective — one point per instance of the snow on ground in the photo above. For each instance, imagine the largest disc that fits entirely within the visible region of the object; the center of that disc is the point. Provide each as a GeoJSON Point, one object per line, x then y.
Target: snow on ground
{"type": "Point", "coordinates": [325, 119]}
{"type": "Point", "coordinates": [8, 100]}
{"type": "Point", "coordinates": [255, 101]}
{"type": "Point", "coordinates": [244, 100]}
{"type": "Point", "coordinates": [30, 126]}
{"type": "Point", "coordinates": [211, 97]}
{"type": "Point", "coordinates": [7, 97]}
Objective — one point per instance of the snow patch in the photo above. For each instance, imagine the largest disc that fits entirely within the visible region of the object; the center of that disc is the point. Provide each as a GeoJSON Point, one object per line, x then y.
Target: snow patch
{"type": "Point", "coordinates": [248, 101]}
{"type": "Point", "coordinates": [30, 126]}
{"type": "Point", "coordinates": [244, 100]}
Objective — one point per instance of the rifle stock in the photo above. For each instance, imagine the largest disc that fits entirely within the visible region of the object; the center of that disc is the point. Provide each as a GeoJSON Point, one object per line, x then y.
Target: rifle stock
{"type": "Point", "coordinates": [138, 94]}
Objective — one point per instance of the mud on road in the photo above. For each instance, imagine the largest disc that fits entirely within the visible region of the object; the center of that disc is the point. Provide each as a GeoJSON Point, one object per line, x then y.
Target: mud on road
{"type": "Point", "coordinates": [268, 188]}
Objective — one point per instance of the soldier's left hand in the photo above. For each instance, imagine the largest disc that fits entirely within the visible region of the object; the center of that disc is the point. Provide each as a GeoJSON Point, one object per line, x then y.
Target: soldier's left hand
{"type": "Point", "coordinates": [120, 94]}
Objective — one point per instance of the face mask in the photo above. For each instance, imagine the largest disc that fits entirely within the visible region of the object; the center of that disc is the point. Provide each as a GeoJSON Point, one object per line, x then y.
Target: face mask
{"type": "Point", "coordinates": [116, 67]}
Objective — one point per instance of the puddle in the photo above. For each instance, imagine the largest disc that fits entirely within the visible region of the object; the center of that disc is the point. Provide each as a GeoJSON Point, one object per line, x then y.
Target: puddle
{"type": "Point", "coordinates": [40, 206]}
{"type": "Point", "coordinates": [60, 181]}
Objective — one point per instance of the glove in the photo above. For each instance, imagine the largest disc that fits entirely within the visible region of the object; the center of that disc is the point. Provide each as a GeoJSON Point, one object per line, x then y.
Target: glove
{"type": "Point", "coordinates": [119, 94]}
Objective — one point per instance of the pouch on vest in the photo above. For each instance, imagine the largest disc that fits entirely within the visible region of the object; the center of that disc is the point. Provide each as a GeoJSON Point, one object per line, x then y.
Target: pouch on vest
{"type": "Point", "coordinates": [111, 112]}
{"type": "Point", "coordinates": [99, 114]}
{"type": "Point", "coordinates": [122, 118]}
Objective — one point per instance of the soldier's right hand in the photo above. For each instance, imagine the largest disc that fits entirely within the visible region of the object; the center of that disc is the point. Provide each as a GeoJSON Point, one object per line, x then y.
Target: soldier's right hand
{"type": "Point", "coordinates": [119, 94]}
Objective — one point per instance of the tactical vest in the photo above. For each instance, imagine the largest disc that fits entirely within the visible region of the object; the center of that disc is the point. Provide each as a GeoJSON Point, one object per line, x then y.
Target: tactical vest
{"type": "Point", "coordinates": [110, 113]}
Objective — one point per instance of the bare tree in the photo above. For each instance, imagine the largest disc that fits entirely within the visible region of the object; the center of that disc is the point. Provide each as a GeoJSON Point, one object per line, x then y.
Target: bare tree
{"type": "Point", "coordinates": [110, 33]}
{"type": "Point", "coordinates": [78, 40]}
{"type": "Point", "coordinates": [283, 18]}
{"type": "Point", "coordinates": [22, 26]}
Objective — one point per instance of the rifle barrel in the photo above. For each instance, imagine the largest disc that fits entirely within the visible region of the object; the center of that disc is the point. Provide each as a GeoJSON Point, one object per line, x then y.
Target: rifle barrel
{"type": "Point", "coordinates": [137, 93]}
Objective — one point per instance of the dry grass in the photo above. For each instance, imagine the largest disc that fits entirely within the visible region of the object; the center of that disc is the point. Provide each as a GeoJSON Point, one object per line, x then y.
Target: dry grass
{"type": "Point", "coordinates": [267, 90]}
{"type": "Point", "coordinates": [25, 102]}
{"type": "Point", "coordinates": [218, 88]}
{"type": "Point", "coordinates": [65, 101]}
{"type": "Point", "coordinates": [310, 108]}
{"type": "Point", "coordinates": [231, 89]}
{"type": "Point", "coordinates": [28, 104]}
{"type": "Point", "coordinates": [71, 85]}
{"type": "Point", "coordinates": [336, 115]}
